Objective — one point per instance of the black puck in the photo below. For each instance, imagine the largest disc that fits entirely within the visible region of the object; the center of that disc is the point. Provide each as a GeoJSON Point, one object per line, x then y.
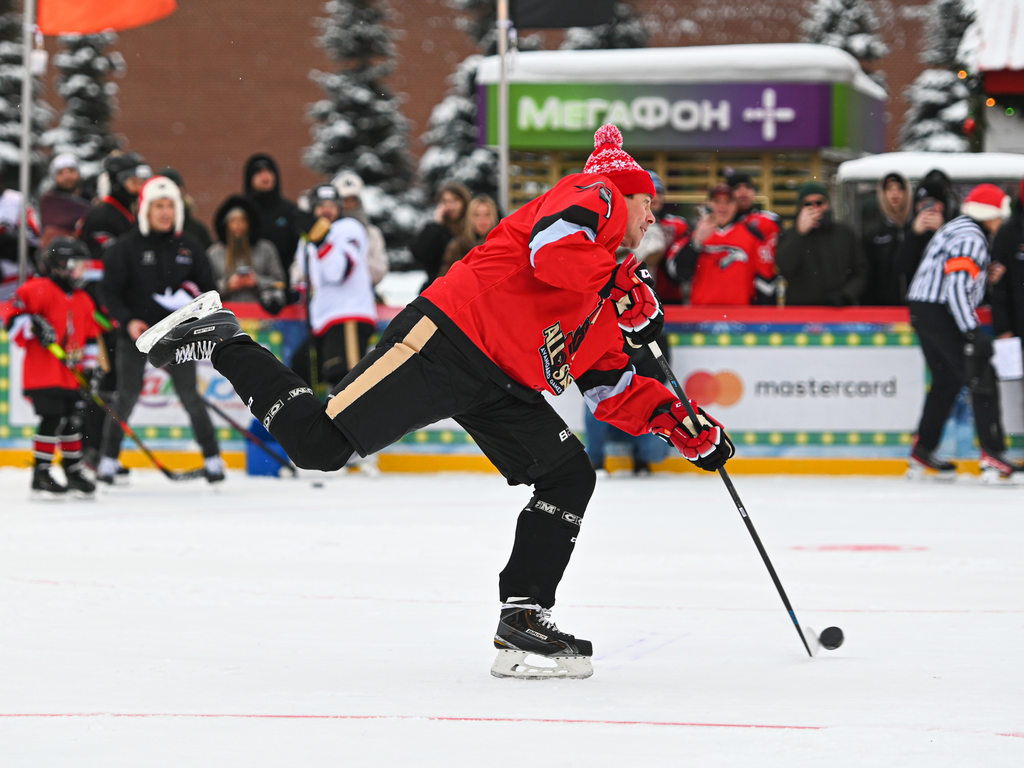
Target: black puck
{"type": "Point", "coordinates": [321, 485]}
{"type": "Point", "coordinates": [831, 638]}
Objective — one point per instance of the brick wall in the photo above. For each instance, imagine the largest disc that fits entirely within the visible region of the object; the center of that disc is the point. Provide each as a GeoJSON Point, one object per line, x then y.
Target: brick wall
{"type": "Point", "coordinates": [221, 79]}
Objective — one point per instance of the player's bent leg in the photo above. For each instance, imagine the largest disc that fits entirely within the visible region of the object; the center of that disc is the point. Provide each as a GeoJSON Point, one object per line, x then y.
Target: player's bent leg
{"type": "Point", "coordinates": [283, 403]}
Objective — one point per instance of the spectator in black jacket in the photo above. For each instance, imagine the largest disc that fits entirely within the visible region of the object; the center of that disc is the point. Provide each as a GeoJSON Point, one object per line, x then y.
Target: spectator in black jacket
{"type": "Point", "coordinates": [152, 270]}
{"type": "Point", "coordinates": [1006, 276]}
{"type": "Point", "coordinates": [281, 221]}
{"type": "Point", "coordinates": [115, 213]}
{"type": "Point", "coordinates": [934, 205]}
{"type": "Point", "coordinates": [193, 225]}
{"type": "Point", "coordinates": [449, 222]}
{"type": "Point", "coordinates": [887, 285]}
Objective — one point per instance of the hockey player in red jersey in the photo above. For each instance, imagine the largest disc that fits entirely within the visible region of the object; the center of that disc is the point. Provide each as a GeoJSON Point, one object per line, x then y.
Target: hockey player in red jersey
{"type": "Point", "coordinates": [540, 305]}
{"type": "Point", "coordinates": [727, 257]}
{"type": "Point", "coordinates": [55, 310]}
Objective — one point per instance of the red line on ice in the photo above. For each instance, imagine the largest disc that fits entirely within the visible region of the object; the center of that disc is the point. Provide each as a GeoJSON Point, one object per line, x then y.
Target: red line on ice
{"type": "Point", "coordinates": [415, 717]}
{"type": "Point", "coordinates": [860, 548]}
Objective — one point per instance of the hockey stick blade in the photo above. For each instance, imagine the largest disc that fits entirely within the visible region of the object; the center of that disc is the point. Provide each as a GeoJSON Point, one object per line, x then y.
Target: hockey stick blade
{"type": "Point", "coordinates": [811, 640]}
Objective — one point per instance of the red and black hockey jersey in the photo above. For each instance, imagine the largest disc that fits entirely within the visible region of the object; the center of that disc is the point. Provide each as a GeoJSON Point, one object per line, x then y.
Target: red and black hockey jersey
{"type": "Point", "coordinates": [528, 299]}
{"type": "Point", "coordinates": [730, 265]}
{"type": "Point", "coordinates": [70, 314]}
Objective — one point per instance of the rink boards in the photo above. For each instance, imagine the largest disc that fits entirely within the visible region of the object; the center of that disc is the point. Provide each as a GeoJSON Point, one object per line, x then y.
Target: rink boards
{"type": "Point", "coordinates": [799, 389]}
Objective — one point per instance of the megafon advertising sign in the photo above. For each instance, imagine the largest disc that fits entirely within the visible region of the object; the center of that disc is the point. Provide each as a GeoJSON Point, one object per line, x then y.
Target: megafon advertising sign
{"type": "Point", "coordinates": [688, 116]}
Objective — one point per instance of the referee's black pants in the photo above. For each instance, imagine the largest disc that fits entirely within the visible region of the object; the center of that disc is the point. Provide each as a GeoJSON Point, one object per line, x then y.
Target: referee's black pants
{"type": "Point", "coordinates": [415, 377]}
{"type": "Point", "coordinates": [943, 347]}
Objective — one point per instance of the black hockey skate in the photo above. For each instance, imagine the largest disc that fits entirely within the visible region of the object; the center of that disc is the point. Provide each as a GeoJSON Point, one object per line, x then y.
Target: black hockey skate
{"type": "Point", "coordinates": [997, 468]}
{"type": "Point", "coordinates": [526, 629]}
{"type": "Point", "coordinates": [79, 482]}
{"type": "Point", "coordinates": [926, 464]}
{"type": "Point", "coordinates": [190, 333]}
{"type": "Point", "coordinates": [45, 488]}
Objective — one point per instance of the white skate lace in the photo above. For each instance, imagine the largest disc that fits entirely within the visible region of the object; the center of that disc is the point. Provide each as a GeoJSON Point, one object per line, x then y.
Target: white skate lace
{"type": "Point", "coordinates": [544, 617]}
{"type": "Point", "coordinates": [194, 350]}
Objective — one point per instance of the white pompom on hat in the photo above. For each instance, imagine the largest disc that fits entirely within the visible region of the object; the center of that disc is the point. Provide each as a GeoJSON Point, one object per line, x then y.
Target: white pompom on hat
{"type": "Point", "coordinates": [160, 188]}
{"type": "Point", "coordinates": [609, 159]}
{"type": "Point", "coordinates": [986, 202]}
{"type": "Point", "coordinates": [348, 184]}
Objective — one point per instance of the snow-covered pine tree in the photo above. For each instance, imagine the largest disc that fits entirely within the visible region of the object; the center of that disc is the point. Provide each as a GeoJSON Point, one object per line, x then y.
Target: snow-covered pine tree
{"type": "Point", "coordinates": [90, 99]}
{"type": "Point", "coordinates": [940, 100]}
{"type": "Point", "coordinates": [360, 126]}
{"type": "Point", "coordinates": [452, 150]}
{"type": "Point", "coordinates": [847, 24]}
{"type": "Point", "coordinates": [11, 74]}
{"type": "Point", "coordinates": [627, 30]}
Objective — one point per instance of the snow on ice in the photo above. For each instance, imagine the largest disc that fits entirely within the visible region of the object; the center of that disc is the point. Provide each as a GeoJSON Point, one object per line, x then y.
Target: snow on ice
{"type": "Point", "coordinates": [269, 622]}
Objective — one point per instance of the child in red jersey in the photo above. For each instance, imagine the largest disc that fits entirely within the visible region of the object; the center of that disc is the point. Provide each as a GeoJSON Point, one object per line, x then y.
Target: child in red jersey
{"type": "Point", "coordinates": [47, 311]}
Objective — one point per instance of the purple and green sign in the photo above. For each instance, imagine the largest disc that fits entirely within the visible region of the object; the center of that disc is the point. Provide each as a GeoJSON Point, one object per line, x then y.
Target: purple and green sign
{"type": "Point", "coordinates": [696, 116]}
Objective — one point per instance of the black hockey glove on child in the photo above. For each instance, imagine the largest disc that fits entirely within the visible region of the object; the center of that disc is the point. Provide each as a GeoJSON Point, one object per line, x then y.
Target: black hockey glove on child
{"type": "Point", "coordinates": [706, 445]}
{"type": "Point", "coordinates": [631, 288]}
{"type": "Point", "coordinates": [43, 331]}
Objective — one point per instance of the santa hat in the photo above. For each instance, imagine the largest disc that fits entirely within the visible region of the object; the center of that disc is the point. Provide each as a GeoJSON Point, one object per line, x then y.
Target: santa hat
{"type": "Point", "coordinates": [986, 202]}
{"type": "Point", "coordinates": [159, 188]}
{"type": "Point", "coordinates": [610, 160]}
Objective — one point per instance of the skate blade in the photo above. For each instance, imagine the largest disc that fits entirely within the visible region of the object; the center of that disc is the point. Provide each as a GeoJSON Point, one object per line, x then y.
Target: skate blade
{"type": "Point", "coordinates": [512, 664]}
{"type": "Point", "coordinates": [36, 495]}
{"type": "Point", "coordinates": [992, 476]}
{"type": "Point", "coordinates": [199, 307]}
{"type": "Point", "coordinates": [812, 640]}
{"type": "Point", "coordinates": [926, 474]}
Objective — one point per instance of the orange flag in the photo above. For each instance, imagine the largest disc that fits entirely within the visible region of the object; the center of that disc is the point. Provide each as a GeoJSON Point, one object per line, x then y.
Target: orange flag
{"type": "Point", "coordinates": [57, 17]}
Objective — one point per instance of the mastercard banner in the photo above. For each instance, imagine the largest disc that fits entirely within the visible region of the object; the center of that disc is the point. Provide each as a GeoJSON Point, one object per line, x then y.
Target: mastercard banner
{"type": "Point", "coordinates": [809, 389]}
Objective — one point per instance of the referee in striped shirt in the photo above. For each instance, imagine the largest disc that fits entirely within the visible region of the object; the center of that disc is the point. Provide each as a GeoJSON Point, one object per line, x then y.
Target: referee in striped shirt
{"type": "Point", "coordinates": [947, 288]}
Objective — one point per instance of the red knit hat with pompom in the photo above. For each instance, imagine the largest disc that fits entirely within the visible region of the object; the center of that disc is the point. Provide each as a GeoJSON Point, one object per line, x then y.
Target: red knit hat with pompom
{"type": "Point", "coordinates": [610, 160]}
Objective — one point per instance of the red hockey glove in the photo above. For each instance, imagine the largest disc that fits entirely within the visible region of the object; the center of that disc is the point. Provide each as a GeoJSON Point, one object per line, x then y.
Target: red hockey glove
{"type": "Point", "coordinates": [632, 289]}
{"type": "Point", "coordinates": [707, 445]}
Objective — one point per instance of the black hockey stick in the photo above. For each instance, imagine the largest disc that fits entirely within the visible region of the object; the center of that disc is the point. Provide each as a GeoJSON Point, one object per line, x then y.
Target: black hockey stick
{"type": "Point", "coordinates": [252, 438]}
{"type": "Point", "coordinates": [656, 351]}
{"type": "Point", "coordinates": [57, 351]}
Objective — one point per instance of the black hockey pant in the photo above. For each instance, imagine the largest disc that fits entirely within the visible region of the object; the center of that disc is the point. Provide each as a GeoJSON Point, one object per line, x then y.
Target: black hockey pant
{"type": "Point", "coordinates": [413, 378]}
{"type": "Point", "coordinates": [943, 347]}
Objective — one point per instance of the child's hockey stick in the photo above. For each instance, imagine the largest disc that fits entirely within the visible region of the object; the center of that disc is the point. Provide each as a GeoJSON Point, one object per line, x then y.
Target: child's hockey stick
{"type": "Point", "coordinates": [57, 351]}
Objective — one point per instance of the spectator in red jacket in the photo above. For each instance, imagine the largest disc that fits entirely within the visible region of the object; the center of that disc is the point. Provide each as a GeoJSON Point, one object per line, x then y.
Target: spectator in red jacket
{"type": "Point", "coordinates": [725, 256]}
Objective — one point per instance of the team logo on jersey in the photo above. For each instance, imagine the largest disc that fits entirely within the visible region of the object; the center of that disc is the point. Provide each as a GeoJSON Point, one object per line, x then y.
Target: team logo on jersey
{"type": "Point", "coordinates": [558, 348]}
{"type": "Point", "coordinates": [604, 193]}
{"type": "Point", "coordinates": [184, 256]}
{"type": "Point", "coordinates": [730, 255]}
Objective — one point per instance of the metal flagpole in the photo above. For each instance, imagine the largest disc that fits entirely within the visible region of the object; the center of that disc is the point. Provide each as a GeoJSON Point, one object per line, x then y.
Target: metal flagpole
{"type": "Point", "coordinates": [503, 172]}
{"type": "Point", "coordinates": [24, 176]}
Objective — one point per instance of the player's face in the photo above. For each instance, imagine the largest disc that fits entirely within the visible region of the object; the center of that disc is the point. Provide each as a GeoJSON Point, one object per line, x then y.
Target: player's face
{"type": "Point", "coordinates": [327, 209]}
{"type": "Point", "coordinates": [894, 194]}
{"type": "Point", "coordinates": [161, 215]}
{"type": "Point", "coordinates": [723, 208]}
{"type": "Point", "coordinates": [67, 179]}
{"type": "Point", "coordinates": [238, 224]}
{"type": "Point", "coordinates": [744, 196]}
{"type": "Point", "coordinates": [638, 219]}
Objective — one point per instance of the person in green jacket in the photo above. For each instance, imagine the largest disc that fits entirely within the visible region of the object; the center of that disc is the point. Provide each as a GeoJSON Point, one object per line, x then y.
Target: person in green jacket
{"type": "Point", "coordinates": [822, 260]}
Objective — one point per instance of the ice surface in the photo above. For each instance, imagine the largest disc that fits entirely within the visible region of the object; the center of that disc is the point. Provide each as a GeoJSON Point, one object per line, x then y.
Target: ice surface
{"type": "Point", "coordinates": [270, 623]}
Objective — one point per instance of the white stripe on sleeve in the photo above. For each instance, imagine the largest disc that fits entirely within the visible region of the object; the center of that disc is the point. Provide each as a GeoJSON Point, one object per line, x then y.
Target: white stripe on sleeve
{"type": "Point", "coordinates": [558, 230]}
{"type": "Point", "coordinates": [594, 397]}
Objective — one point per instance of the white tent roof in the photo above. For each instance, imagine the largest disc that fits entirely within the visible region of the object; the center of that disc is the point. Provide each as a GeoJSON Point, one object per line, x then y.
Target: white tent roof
{"type": "Point", "coordinates": [995, 40]}
{"type": "Point", "coordinates": [974, 166]}
{"type": "Point", "coordinates": [780, 62]}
